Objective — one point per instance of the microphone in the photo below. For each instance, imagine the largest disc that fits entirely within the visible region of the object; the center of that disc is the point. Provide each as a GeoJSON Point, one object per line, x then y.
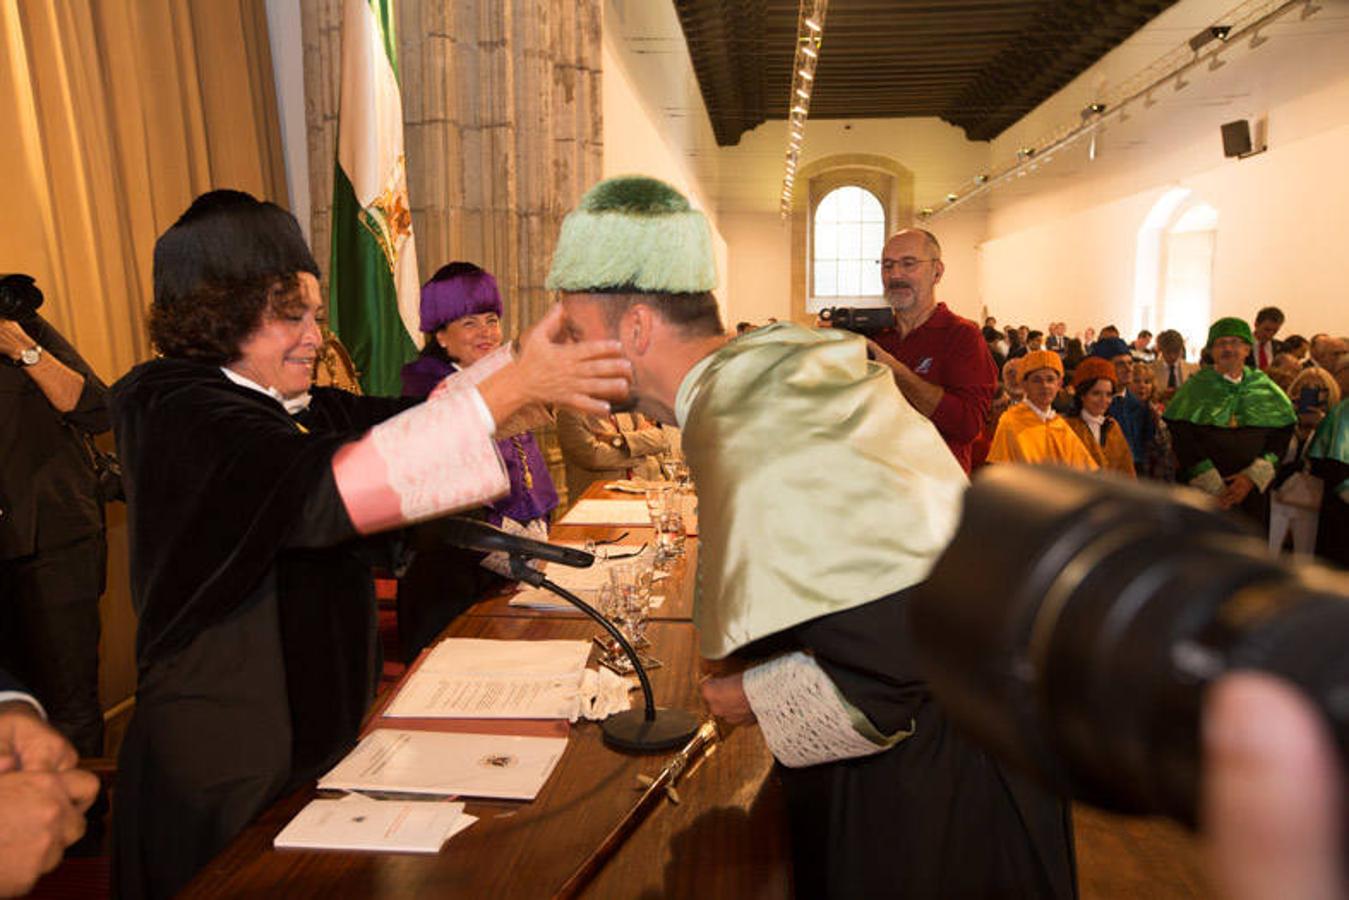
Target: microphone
{"type": "Point", "coordinates": [474, 534]}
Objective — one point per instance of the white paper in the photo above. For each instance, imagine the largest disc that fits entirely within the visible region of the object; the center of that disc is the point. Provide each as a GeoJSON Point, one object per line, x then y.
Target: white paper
{"type": "Point", "coordinates": [484, 657]}
{"type": "Point", "coordinates": [355, 822]}
{"type": "Point", "coordinates": [473, 678]}
{"type": "Point", "coordinates": [433, 695]}
{"type": "Point", "coordinates": [426, 762]}
{"type": "Point", "coordinates": [608, 512]}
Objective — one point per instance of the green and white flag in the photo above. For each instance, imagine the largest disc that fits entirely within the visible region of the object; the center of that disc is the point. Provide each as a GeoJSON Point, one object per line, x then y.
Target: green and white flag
{"type": "Point", "coordinates": [372, 276]}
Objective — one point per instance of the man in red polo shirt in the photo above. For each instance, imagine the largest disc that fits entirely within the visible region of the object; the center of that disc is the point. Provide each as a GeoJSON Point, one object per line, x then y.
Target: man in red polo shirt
{"type": "Point", "coordinates": [941, 363]}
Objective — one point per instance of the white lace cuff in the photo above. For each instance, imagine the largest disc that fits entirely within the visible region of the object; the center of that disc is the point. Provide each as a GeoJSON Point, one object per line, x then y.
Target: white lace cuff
{"type": "Point", "coordinates": [1208, 481]}
{"type": "Point", "coordinates": [803, 717]}
{"type": "Point", "coordinates": [499, 563]}
{"type": "Point", "coordinates": [1261, 473]}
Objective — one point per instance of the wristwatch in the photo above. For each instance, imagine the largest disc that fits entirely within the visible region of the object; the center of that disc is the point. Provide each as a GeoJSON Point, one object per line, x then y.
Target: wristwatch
{"type": "Point", "coordinates": [31, 356]}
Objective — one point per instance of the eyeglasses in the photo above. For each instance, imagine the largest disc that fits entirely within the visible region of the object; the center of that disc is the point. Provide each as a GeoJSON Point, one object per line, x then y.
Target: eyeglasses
{"type": "Point", "coordinates": [906, 264]}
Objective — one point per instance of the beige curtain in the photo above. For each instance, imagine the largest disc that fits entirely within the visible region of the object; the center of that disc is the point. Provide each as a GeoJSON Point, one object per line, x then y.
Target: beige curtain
{"type": "Point", "coordinates": [117, 113]}
{"type": "Point", "coordinates": [502, 112]}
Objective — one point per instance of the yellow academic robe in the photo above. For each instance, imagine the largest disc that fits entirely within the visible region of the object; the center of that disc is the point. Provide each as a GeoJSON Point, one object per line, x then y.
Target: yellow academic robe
{"type": "Point", "coordinates": [1024, 437]}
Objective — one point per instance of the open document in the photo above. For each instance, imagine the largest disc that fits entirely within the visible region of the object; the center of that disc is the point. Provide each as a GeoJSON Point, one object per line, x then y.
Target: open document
{"type": "Point", "coordinates": [608, 512]}
{"type": "Point", "coordinates": [475, 678]}
{"type": "Point", "coordinates": [428, 762]}
{"type": "Point", "coordinates": [357, 822]}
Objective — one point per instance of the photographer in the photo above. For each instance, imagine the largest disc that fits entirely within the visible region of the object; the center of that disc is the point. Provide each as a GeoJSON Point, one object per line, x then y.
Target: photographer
{"type": "Point", "coordinates": [52, 549]}
{"type": "Point", "coordinates": [940, 361]}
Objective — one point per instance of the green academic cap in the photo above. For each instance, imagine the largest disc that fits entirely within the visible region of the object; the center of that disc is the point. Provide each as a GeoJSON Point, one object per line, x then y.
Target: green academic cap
{"type": "Point", "coordinates": [634, 233]}
{"type": "Point", "coordinates": [1230, 327]}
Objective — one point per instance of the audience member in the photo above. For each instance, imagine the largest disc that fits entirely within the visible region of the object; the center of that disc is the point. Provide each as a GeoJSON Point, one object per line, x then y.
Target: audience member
{"type": "Point", "coordinates": [1328, 455]}
{"type": "Point", "coordinates": [1094, 383]}
{"type": "Point", "coordinates": [1170, 370]}
{"type": "Point", "coordinates": [1073, 355]}
{"type": "Point", "coordinates": [1035, 340]}
{"type": "Point", "coordinates": [1133, 416]}
{"type": "Point", "coordinates": [1011, 380]}
{"type": "Point", "coordinates": [1298, 347]}
{"type": "Point", "coordinates": [43, 797]}
{"type": "Point", "coordinates": [743, 327]}
{"type": "Point", "coordinates": [1030, 431]}
{"type": "Point", "coordinates": [1231, 424]}
{"type": "Point", "coordinates": [1109, 332]}
{"type": "Point", "coordinates": [1141, 348]}
{"type": "Point", "coordinates": [1159, 462]}
{"type": "Point", "coordinates": [1268, 321]}
{"type": "Point", "coordinates": [1324, 350]}
{"type": "Point", "coordinates": [1283, 370]}
{"type": "Point", "coordinates": [1088, 338]}
{"type": "Point", "coordinates": [1056, 340]}
{"type": "Point", "coordinates": [618, 446]}
{"type": "Point", "coordinates": [1296, 495]}
{"type": "Point", "coordinates": [990, 330]}
{"type": "Point", "coordinates": [938, 359]}
{"type": "Point", "coordinates": [52, 547]}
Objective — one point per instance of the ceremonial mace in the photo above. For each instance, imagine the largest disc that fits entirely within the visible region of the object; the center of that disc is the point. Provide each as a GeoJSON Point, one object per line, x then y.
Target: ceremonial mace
{"type": "Point", "coordinates": [645, 730]}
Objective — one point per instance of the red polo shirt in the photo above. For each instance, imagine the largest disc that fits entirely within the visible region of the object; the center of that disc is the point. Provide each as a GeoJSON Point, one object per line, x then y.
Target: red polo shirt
{"type": "Point", "coordinates": [950, 352]}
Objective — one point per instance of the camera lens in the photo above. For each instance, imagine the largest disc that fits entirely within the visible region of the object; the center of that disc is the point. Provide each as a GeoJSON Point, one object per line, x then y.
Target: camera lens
{"type": "Point", "coordinates": [1074, 622]}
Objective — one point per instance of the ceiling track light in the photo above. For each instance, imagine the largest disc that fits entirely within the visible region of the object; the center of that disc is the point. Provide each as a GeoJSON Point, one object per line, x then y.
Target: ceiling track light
{"type": "Point", "coordinates": [809, 34]}
{"type": "Point", "coordinates": [1244, 21]}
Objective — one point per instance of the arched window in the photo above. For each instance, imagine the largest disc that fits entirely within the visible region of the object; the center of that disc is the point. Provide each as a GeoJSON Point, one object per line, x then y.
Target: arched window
{"type": "Point", "coordinates": [847, 235]}
{"type": "Point", "coordinates": [1173, 281]}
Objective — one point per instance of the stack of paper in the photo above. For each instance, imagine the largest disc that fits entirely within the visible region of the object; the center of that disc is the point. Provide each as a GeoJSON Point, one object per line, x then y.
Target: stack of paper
{"type": "Point", "coordinates": [428, 762]}
{"type": "Point", "coordinates": [485, 679]}
{"type": "Point", "coordinates": [357, 822]}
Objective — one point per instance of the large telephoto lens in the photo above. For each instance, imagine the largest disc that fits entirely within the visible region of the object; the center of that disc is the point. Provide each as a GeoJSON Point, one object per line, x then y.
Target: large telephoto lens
{"type": "Point", "coordinates": [1075, 620]}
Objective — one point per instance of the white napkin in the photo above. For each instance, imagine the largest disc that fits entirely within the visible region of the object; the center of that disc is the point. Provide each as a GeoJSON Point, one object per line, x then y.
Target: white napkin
{"type": "Point", "coordinates": [602, 693]}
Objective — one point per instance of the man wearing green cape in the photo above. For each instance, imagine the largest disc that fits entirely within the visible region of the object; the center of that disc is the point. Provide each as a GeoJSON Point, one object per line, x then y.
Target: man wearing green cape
{"type": "Point", "coordinates": [823, 498]}
{"type": "Point", "coordinates": [1231, 424]}
{"type": "Point", "coordinates": [1329, 456]}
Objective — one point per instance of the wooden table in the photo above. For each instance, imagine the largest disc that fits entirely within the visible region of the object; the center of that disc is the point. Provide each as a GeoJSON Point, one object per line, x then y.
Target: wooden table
{"type": "Point", "coordinates": [725, 839]}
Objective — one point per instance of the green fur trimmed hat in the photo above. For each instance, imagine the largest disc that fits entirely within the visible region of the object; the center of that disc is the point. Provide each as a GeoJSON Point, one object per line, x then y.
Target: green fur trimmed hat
{"type": "Point", "coordinates": [1230, 327]}
{"type": "Point", "coordinates": [634, 233]}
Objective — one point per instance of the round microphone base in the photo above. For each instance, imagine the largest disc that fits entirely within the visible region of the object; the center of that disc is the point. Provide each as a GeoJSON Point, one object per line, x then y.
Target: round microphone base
{"type": "Point", "coordinates": [630, 730]}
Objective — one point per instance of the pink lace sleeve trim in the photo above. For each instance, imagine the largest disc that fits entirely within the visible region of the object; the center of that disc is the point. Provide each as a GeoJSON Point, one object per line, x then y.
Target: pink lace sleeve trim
{"type": "Point", "coordinates": [430, 460]}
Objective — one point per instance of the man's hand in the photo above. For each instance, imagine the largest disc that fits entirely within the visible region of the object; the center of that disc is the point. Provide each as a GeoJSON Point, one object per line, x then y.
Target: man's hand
{"type": "Point", "coordinates": [13, 339]}
{"type": "Point", "coordinates": [1238, 486]}
{"type": "Point", "coordinates": [41, 814]}
{"type": "Point", "coordinates": [1272, 793]}
{"type": "Point", "coordinates": [30, 744]}
{"type": "Point", "coordinates": [878, 353]}
{"type": "Point", "coordinates": [725, 699]}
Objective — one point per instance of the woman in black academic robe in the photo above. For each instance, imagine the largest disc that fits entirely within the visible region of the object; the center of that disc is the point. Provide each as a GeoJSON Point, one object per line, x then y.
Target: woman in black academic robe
{"type": "Point", "coordinates": [248, 495]}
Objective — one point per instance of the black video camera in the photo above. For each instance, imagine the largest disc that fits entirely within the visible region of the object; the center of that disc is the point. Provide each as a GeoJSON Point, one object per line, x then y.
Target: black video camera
{"type": "Point", "coordinates": [1074, 623]}
{"type": "Point", "coordinates": [859, 319]}
{"type": "Point", "coordinates": [19, 297]}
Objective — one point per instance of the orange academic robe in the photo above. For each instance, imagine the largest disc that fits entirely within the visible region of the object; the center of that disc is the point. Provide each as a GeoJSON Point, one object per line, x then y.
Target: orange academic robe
{"type": "Point", "coordinates": [1115, 455]}
{"type": "Point", "coordinates": [1024, 437]}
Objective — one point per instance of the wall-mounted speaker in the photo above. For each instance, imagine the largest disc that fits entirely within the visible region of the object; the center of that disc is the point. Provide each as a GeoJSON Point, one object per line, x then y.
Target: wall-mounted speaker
{"type": "Point", "coordinates": [1237, 140]}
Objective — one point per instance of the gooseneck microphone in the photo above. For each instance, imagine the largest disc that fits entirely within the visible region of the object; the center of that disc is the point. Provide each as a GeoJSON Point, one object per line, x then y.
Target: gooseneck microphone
{"type": "Point", "coordinates": [647, 730]}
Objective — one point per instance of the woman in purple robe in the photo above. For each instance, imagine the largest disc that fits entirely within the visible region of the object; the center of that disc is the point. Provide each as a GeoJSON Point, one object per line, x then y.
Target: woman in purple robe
{"type": "Point", "coordinates": [461, 319]}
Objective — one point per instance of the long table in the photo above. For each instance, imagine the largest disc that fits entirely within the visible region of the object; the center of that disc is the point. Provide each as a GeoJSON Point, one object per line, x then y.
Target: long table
{"type": "Point", "coordinates": [725, 838]}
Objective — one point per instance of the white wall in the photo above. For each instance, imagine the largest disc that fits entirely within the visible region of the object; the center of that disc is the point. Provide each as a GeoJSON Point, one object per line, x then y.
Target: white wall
{"type": "Point", "coordinates": [760, 282]}
{"type": "Point", "coordinates": [654, 119]}
{"type": "Point", "coordinates": [1061, 243]}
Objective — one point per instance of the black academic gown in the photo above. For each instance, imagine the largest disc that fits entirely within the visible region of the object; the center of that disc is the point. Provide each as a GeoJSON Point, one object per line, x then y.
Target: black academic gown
{"type": "Point", "coordinates": [257, 641]}
{"type": "Point", "coordinates": [1231, 450]}
{"type": "Point", "coordinates": [932, 817]}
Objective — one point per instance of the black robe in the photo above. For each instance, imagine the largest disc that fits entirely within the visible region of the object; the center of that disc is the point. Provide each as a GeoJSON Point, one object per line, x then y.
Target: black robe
{"type": "Point", "coordinates": [1231, 450]}
{"type": "Point", "coordinates": [932, 817]}
{"type": "Point", "coordinates": [257, 642]}
{"type": "Point", "coordinates": [1332, 529]}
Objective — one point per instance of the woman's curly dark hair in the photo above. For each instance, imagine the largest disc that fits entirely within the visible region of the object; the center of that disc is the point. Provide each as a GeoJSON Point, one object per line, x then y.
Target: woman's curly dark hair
{"type": "Point", "coordinates": [225, 263]}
